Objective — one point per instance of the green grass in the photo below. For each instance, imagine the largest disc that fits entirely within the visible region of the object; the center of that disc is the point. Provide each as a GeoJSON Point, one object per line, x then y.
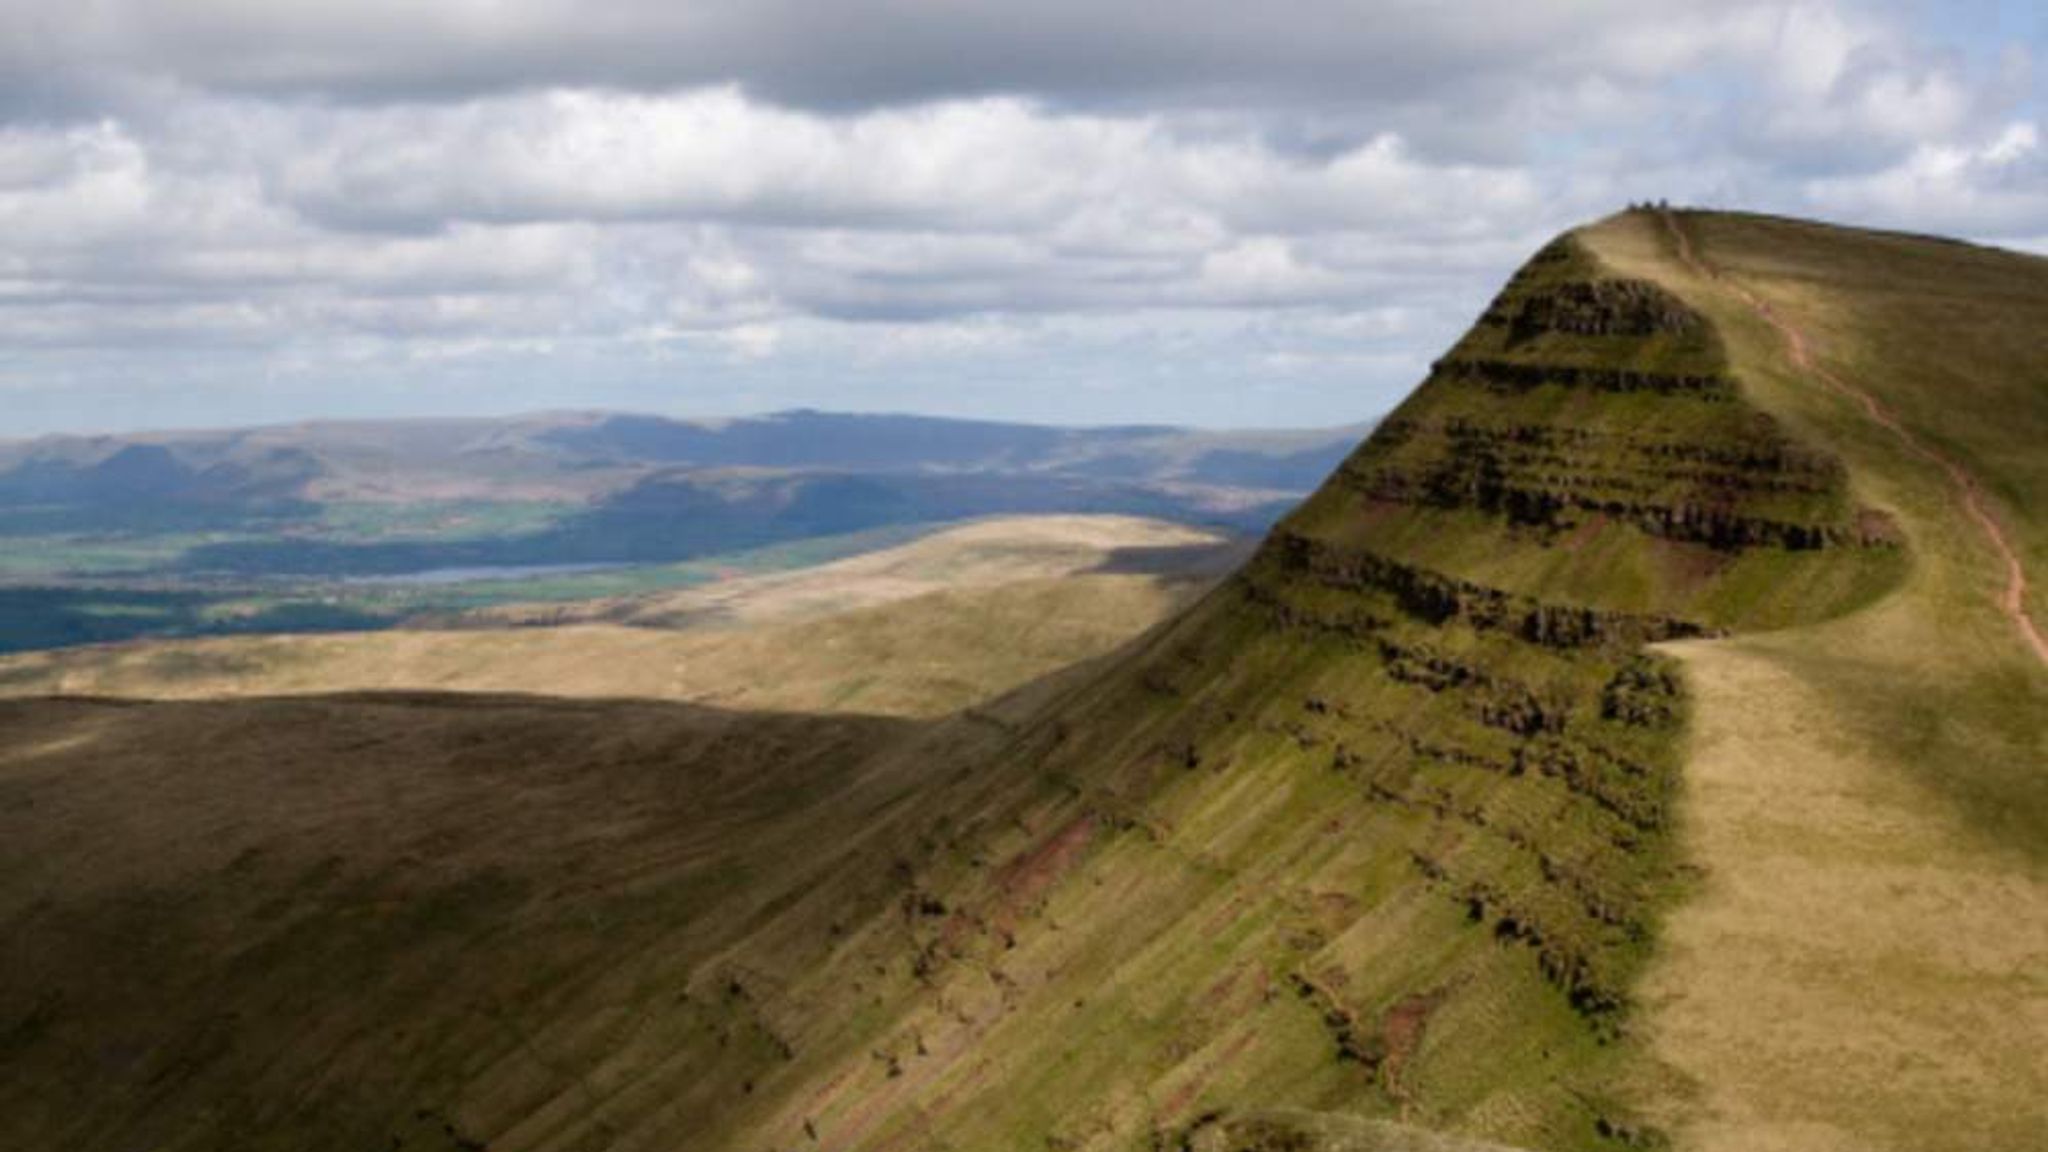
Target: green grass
{"type": "Point", "coordinates": [369, 521]}
{"type": "Point", "coordinates": [1864, 795]}
{"type": "Point", "coordinates": [134, 552]}
{"type": "Point", "coordinates": [42, 613]}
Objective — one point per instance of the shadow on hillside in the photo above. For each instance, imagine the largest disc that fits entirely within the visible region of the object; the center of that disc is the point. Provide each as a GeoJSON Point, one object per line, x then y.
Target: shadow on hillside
{"type": "Point", "coordinates": [1198, 561]}
{"type": "Point", "coordinates": [210, 906]}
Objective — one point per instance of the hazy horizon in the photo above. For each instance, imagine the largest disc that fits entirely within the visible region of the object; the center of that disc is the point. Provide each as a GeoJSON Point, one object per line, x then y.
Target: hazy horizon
{"type": "Point", "coordinates": [119, 431]}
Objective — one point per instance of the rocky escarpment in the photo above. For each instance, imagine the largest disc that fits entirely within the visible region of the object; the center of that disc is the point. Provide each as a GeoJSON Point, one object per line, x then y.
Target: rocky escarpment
{"type": "Point", "coordinates": [1436, 599]}
{"type": "Point", "coordinates": [1505, 706]}
{"type": "Point", "coordinates": [1534, 477]}
{"type": "Point", "coordinates": [1509, 376]}
{"type": "Point", "coordinates": [1382, 827]}
{"type": "Point", "coordinates": [1416, 762]}
{"type": "Point", "coordinates": [1605, 307]}
{"type": "Point", "coordinates": [1696, 467]}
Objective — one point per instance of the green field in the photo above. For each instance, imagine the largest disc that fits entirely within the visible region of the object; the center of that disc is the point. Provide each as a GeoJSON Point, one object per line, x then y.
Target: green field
{"type": "Point", "coordinates": [35, 614]}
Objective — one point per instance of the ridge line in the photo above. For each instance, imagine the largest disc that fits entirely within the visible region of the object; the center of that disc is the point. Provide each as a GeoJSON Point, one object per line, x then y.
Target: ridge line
{"type": "Point", "coordinates": [2011, 601]}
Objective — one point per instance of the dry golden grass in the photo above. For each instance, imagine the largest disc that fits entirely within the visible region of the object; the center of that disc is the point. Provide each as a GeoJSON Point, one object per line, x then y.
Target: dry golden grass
{"type": "Point", "coordinates": [983, 554]}
{"type": "Point", "coordinates": [1858, 969]}
{"type": "Point", "coordinates": [1864, 964]}
{"type": "Point", "coordinates": [1282, 1130]}
{"type": "Point", "coordinates": [921, 630]}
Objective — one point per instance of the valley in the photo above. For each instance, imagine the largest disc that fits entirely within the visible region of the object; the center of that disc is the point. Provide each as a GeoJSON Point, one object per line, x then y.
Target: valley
{"type": "Point", "coordinates": [921, 629]}
{"type": "Point", "coordinates": [338, 527]}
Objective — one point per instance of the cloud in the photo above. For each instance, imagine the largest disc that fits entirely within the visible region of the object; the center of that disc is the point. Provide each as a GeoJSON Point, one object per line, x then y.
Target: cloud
{"type": "Point", "coordinates": [892, 202]}
{"type": "Point", "coordinates": [982, 165]}
{"type": "Point", "coordinates": [860, 53]}
{"type": "Point", "coordinates": [1999, 182]}
{"type": "Point", "coordinates": [710, 208]}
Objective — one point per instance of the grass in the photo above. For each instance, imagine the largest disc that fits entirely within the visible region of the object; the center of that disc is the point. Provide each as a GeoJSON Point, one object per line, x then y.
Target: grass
{"type": "Point", "coordinates": [917, 630]}
{"type": "Point", "coordinates": [363, 521]}
{"type": "Point", "coordinates": [923, 656]}
{"type": "Point", "coordinates": [1864, 795]}
{"type": "Point", "coordinates": [431, 892]}
{"type": "Point", "coordinates": [45, 611]}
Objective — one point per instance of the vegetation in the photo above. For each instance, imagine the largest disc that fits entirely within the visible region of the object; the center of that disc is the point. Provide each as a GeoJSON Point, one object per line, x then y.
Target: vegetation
{"type": "Point", "coordinates": [275, 522]}
{"type": "Point", "coordinates": [1623, 750]}
{"type": "Point", "coordinates": [43, 615]}
{"type": "Point", "coordinates": [1865, 796]}
{"type": "Point", "coordinates": [922, 629]}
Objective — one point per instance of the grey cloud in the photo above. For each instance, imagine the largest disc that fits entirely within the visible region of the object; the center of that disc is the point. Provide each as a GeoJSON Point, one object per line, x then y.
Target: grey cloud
{"type": "Point", "coordinates": [856, 53]}
{"type": "Point", "coordinates": [879, 191]}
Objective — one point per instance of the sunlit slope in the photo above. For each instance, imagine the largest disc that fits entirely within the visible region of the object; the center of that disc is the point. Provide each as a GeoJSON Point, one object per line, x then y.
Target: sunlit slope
{"type": "Point", "coordinates": [980, 554]}
{"type": "Point", "coordinates": [1866, 962]}
{"type": "Point", "coordinates": [1383, 827]}
{"type": "Point", "coordinates": [920, 630]}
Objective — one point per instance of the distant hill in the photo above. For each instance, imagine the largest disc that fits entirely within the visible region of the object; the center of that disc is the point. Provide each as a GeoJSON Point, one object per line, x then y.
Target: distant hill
{"type": "Point", "coordinates": [587, 455]}
{"type": "Point", "coordinates": [264, 529]}
{"type": "Point", "coordinates": [341, 499]}
{"type": "Point", "coordinates": [920, 630]}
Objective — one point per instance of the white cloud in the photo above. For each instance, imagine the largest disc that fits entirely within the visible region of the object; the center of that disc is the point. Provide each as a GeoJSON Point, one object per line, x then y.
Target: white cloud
{"type": "Point", "coordinates": [1996, 183]}
{"type": "Point", "coordinates": [752, 341]}
{"type": "Point", "coordinates": [781, 192]}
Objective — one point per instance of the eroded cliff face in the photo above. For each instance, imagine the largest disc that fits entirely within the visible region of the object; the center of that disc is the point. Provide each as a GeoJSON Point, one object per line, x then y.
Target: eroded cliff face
{"type": "Point", "coordinates": [1383, 826]}
{"type": "Point", "coordinates": [1582, 416]}
{"type": "Point", "coordinates": [1539, 417]}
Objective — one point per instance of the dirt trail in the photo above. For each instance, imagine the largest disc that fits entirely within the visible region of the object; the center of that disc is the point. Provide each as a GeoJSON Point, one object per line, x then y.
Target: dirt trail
{"type": "Point", "coordinates": [2013, 601]}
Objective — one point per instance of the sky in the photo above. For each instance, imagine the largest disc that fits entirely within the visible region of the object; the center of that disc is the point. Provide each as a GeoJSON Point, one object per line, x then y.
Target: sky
{"type": "Point", "coordinates": [1209, 212]}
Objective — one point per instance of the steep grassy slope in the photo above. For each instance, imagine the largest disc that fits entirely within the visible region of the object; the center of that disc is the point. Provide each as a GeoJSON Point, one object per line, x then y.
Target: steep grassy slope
{"type": "Point", "coordinates": [1382, 834]}
{"type": "Point", "coordinates": [1864, 965]}
{"type": "Point", "coordinates": [1383, 826]}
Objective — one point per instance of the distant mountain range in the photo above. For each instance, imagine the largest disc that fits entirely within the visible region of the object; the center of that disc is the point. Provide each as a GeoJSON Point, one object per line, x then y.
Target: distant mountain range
{"type": "Point", "coordinates": [766, 477]}
{"type": "Point", "coordinates": [583, 454]}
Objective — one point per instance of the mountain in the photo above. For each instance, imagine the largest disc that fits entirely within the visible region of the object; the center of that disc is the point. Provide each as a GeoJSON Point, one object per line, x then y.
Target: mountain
{"type": "Point", "coordinates": [115, 537]}
{"type": "Point", "coordinates": [268, 530]}
{"type": "Point", "coordinates": [919, 630]}
{"type": "Point", "coordinates": [1634, 742]}
{"type": "Point", "coordinates": [587, 456]}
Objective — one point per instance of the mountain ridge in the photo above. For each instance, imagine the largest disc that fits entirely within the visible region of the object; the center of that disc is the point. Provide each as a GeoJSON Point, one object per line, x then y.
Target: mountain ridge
{"type": "Point", "coordinates": [798, 438]}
